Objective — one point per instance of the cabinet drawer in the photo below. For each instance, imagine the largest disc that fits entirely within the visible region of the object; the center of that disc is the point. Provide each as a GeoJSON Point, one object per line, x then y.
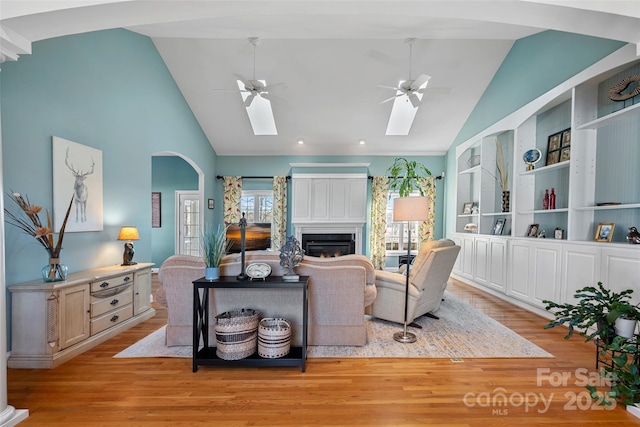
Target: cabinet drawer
{"type": "Point", "coordinates": [100, 305]}
{"type": "Point", "coordinates": [111, 283]}
{"type": "Point", "coordinates": [110, 319]}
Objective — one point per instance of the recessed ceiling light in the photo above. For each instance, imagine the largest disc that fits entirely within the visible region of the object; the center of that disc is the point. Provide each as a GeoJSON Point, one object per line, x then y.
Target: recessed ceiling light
{"type": "Point", "coordinates": [362, 142]}
{"type": "Point", "coordinates": [300, 141]}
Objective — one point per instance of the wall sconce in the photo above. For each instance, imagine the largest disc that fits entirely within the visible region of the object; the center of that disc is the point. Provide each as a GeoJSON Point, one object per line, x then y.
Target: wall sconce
{"type": "Point", "coordinates": [128, 233]}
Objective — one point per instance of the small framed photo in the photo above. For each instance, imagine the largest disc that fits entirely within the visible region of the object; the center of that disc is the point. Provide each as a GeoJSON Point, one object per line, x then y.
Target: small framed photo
{"type": "Point", "coordinates": [604, 233]}
{"type": "Point", "coordinates": [566, 138]}
{"type": "Point", "coordinates": [155, 210]}
{"type": "Point", "coordinates": [532, 231]}
{"type": "Point", "coordinates": [499, 227]}
{"type": "Point", "coordinates": [467, 207]}
{"type": "Point", "coordinates": [558, 233]}
{"type": "Point", "coordinates": [565, 154]}
{"type": "Point", "coordinates": [553, 148]}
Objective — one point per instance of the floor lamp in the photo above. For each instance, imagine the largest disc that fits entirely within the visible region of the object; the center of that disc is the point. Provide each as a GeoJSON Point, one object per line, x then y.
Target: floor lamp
{"type": "Point", "coordinates": [409, 209]}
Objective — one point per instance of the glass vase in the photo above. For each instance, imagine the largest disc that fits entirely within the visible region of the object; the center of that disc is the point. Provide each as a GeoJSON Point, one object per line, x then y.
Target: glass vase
{"type": "Point", "coordinates": [54, 271]}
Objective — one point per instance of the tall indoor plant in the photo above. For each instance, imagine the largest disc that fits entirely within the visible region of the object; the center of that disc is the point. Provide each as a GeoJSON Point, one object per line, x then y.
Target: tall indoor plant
{"type": "Point", "coordinates": [404, 176]}
{"type": "Point", "coordinates": [214, 247]}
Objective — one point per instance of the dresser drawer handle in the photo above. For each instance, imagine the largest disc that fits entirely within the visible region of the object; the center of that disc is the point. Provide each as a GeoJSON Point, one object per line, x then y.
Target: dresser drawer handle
{"type": "Point", "coordinates": [115, 302]}
{"type": "Point", "coordinates": [104, 284]}
{"type": "Point", "coordinates": [115, 318]}
{"type": "Point", "coordinates": [127, 278]}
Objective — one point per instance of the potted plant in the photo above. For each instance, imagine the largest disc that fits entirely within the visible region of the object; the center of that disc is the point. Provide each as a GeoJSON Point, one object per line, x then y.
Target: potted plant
{"type": "Point", "coordinates": [623, 373]}
{"type": "Point", "coordinates": [404, 176]}
{"type": "Point", "coordinates": [624, 317]}
{"type": "Point", "coordinates": [597, 306]}
{"type": "Point", "coordinates": [214, 248]}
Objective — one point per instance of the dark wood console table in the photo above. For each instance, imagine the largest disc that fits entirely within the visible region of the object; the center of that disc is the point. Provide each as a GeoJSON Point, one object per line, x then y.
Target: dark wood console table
{"type": "Point", "coordinates": [207, 354]}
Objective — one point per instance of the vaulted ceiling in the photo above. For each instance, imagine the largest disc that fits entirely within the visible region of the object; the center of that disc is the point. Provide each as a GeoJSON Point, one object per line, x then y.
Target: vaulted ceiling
{"type": "Point", "coordinates": [331, 57]}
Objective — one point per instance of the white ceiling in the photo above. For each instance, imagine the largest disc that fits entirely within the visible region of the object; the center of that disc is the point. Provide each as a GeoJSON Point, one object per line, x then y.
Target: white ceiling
{"type": "Point", "coordinates": [330, 55]}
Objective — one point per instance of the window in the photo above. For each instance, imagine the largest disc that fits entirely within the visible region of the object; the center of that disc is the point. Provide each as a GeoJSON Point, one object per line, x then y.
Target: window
{"type": "Point", "coordinates": [257, 205]}
{"type": "Point", "coordinates": [396, 236]}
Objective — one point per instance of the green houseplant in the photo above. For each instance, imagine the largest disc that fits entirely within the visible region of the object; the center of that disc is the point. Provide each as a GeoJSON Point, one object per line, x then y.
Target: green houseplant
{"type": "Point", "coordinates": [404, 176]}
{"type": "Point", "coordinates": [623, 373]}
{"type": "Point", "coordinates": [597, 306]}
{"type": "Point", "coordinates": [214, 247]}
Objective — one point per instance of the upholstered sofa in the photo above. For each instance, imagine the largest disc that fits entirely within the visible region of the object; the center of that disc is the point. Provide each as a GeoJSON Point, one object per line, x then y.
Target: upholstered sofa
{"type": "Point", "coordinates": [339, 290]}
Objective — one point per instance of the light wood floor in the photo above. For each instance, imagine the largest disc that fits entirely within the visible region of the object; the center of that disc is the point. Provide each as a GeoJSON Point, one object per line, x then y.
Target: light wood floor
{"type": "Point", "coordinates": [94, 389]}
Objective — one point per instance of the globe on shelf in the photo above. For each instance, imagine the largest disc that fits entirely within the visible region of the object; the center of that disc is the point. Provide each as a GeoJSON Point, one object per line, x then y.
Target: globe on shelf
{"type": "Point", "coordinates": [532, 157]}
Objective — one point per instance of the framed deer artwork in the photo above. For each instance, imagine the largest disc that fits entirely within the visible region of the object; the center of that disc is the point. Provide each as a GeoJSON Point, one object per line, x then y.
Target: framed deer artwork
{"type": "Point", "coordinates": [77, 173]}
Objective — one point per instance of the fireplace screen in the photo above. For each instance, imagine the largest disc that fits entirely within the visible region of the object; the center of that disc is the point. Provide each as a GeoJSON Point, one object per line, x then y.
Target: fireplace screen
{"type": "Point", "coordinates": [328, 245]}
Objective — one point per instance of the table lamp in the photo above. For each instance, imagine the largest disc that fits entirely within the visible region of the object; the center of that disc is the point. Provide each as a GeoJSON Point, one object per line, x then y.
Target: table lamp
{"type": "Point", "coordinates": [128, 233]}
{"type": "Point", "coordinates": [409, 209]}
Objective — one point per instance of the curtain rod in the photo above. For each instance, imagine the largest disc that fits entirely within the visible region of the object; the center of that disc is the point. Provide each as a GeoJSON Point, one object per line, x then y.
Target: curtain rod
{"type": "Point", "coordinates": [437, 177]}
{"type": "Point", "coordinates": [254, 177]}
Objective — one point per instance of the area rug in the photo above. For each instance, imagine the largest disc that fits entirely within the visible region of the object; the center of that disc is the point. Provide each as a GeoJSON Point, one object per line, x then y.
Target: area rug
{"type": "Point", "coordinates": [461, 332]}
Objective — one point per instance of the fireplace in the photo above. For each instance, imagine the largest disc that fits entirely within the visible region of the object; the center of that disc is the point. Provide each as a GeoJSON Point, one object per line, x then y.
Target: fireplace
{"type": "Point", "coordinates": [328, 245]}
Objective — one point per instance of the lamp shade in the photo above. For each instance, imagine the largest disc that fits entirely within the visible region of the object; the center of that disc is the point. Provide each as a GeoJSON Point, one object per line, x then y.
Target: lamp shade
{"type": "Point", "coordinates": [410, 209]}
{"type": "Point", "coordinates": [128, 232]}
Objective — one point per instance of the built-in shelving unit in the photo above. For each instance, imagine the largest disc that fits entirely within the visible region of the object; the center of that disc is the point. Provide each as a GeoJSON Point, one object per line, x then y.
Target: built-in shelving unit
{"type": "Point", "coordinates": [590, 151]}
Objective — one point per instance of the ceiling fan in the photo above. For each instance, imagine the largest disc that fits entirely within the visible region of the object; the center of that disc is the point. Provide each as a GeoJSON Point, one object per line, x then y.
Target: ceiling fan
{"type": "Point", "coordinates": [410, 88]}
{"type": "Point", "coordinates": [255, 87]}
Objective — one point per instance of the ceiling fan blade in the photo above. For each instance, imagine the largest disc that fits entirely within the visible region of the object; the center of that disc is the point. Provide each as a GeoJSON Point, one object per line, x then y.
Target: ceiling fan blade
{"type": "Point", "coordinates": [421, 80]}
{"type": "Point", "coordinates": [242, 79]}
{"type": "Point", "coordinates": [388, 87]}
{"type": "Point", "coordinates": [415, 101]}
{"type": "Point", "coordinates": [249, 100]}
{"type": "Point", "coordinates": [391, 99]}
{"type": "Point", "coordinates": [272, 85]}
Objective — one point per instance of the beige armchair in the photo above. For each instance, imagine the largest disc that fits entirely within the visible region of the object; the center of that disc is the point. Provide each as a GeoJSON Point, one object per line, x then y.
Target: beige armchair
{"type": "Point", "coordinates": [428, 278]}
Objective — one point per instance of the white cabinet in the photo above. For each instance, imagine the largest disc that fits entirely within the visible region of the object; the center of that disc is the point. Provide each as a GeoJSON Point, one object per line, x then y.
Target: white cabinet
{"type": "Point", "coordinates": [534, 271]}
{"type": "Point", "coordinates": [53, 322]}
{"type": "Point", "coordinates": [581, 267]}
{"type": "Point", "coordinates": [329, 198]}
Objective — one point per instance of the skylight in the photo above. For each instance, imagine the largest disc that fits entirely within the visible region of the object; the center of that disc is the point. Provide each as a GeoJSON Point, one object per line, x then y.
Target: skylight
{"type": "Point", "coordinates": [260, 113]}
{"type": "Point", "coordinates": [402, 113]}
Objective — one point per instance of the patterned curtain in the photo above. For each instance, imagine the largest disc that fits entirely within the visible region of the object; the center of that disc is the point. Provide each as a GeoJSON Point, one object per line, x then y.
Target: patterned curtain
{"type": "Point", "coordinates": [279, 220]}
{"type": "Point", "coordinates": [232, 194]}
{"type": "Point", "coordinates": [425, 229]}
{"type": "Point", "coordinates": [379, 194]}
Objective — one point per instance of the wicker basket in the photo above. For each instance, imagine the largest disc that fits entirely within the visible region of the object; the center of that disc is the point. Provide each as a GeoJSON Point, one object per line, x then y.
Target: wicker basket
{"type": "Point", "coordinates": [236, 334]}
{"type": "Point", "coordinates": [274, 338]}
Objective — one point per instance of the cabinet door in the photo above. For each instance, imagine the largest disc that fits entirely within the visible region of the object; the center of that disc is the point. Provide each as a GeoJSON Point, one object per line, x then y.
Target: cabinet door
{"type": "Point", "coordinates": [301, 199]}
{"type": "Point", "coordinates": [457, 267]}
{"type": "Point", "coordinates": [620, 270]}
{"type": "Point", "coordinates": [142, 291]}
{"type": "Point", "coordinates": [497, 264]}
{"type": "Point", "coordinates": [546, 267]}
{"type": "Point", "coordinates": [320, 191]}
{"type": "Point", "coordinates": [74, 315]}
{"type": "Point", "coordinates": [520, 270]}
{"type": "Point", "coordinates": [481, 272]}
{"type": "Point", "coordinates": [581, 267]}
{"type": "Point", "coordinates": [468, 257]}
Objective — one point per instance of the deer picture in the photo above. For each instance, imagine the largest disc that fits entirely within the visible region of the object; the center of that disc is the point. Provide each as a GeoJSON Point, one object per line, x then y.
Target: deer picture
{"type": "Point", "coordinates": [80, 188]}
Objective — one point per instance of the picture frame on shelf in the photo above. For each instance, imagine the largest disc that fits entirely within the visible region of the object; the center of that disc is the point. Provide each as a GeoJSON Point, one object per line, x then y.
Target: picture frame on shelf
{"type": "Point", "coordinates": [532, 231]}
{"type": "Point", "coordinates": [498, 228]}
{"type": "Point", "coordinates": [565, 154]}
{"type": "Point", "coordinates": [558, 233]}
{"type": "Point", "coordinates": [566, 138]}
{"type": "Point", "coordinates": [604, 232]}
{"type": "Point", "coordinates": [553, 148]}
{"type": "Point", "coordinates": [466, 208]}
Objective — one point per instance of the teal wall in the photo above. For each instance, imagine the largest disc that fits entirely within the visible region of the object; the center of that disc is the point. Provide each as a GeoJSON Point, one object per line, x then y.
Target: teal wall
{"type": "Point", "coordinates": [168, 175]}
{"type": "Point", "coordinates": [280, 165]}
{"type": "Point", "coordinates": [109, 90]}
{"type": "Point", "coordinates": [533, 66]}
